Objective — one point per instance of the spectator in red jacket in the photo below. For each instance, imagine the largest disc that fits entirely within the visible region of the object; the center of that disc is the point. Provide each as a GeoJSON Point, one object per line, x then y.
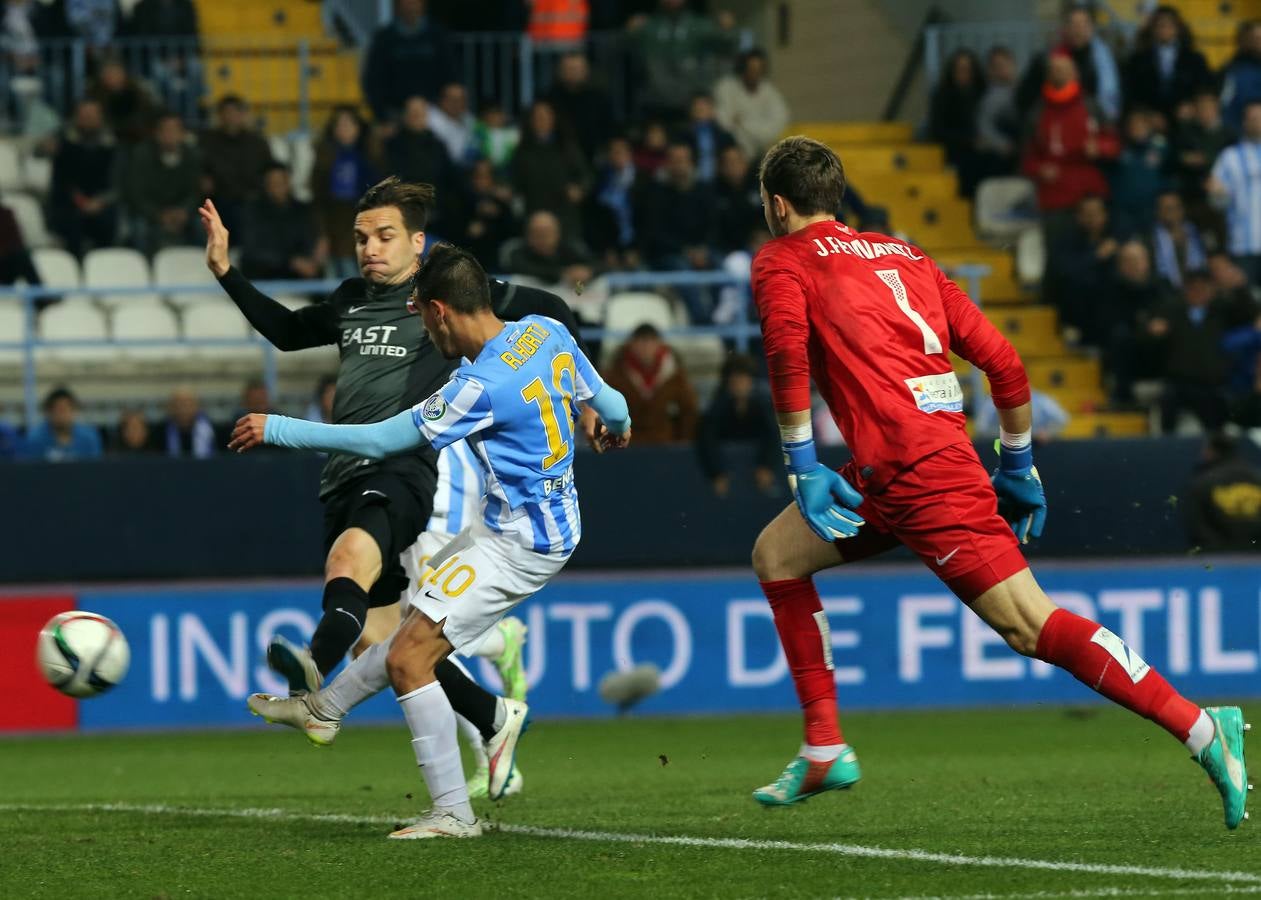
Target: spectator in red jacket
{"type": "Point", "coordinates": [1068, 143]}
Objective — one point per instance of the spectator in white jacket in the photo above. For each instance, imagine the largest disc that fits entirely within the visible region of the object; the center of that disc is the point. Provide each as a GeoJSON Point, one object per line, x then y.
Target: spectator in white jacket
{"type": "Point", "coordinates": [749, 106]}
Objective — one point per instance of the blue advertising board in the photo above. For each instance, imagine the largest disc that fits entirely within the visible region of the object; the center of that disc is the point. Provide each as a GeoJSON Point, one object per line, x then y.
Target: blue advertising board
{"type": "Point", "coordinates": [900, 639]}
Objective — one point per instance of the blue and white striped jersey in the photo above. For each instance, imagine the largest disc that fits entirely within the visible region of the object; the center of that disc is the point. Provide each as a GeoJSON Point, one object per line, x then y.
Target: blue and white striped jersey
{"type": "Point", "coordinates": [515, 406]}
{"type": "Point", "coordinates": [1239, 168]}
{"type": "Point", "coordinates": [458, 500]}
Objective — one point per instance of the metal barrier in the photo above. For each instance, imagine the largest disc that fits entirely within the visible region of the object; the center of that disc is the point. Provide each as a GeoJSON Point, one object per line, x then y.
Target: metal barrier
{"type": "Point", "coordinates": [741, 332]}
{"type": "Point", "coordinates": [506, 66]}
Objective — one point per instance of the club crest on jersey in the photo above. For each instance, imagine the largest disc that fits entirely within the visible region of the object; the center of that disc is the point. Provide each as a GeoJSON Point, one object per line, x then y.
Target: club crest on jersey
{"type": "Point", "coordinates": [434, 409]}
{"type": "Point", "coordinates": [937, 393]}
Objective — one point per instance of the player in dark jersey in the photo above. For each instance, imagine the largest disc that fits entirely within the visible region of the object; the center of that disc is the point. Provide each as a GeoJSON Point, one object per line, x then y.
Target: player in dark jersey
{"type": "Point", "coordinates": [373, 510]}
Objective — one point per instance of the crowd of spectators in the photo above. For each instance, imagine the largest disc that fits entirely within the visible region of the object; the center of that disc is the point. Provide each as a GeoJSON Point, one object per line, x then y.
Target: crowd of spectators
{"type": "Point", "coordinates": [1147, 170]}
{"type": "Point", "coordinates": [625, 192]}
{"type": "Point", "coordinates": [566, 191]}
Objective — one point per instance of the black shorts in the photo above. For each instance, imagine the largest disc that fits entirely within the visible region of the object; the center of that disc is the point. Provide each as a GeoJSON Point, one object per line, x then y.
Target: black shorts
{"type": "Point", "coordinates": [390, 508]}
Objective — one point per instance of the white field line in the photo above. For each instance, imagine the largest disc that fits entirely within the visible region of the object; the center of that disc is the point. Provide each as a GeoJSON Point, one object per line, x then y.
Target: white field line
{"type": "Point", "coordinates": [1090, 893]}
{"type": "Point", "coordinates": [852, 850]}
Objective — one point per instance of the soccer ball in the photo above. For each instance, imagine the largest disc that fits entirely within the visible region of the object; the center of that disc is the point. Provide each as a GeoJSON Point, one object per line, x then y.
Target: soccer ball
{"type": "Point", "coordinates": [82, 654]}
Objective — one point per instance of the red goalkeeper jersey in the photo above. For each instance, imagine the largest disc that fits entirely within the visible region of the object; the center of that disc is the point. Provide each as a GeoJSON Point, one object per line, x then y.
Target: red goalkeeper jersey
{"type": "Point", "coordinates": [873, 321]}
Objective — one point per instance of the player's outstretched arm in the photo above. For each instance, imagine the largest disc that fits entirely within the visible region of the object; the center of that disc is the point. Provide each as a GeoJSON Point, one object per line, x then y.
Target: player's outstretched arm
{"type": "Point", "coordinates": [397, 434]}
{"type": "Point", "coordinates": [827, 501]}
{"type": "Point", "coordinates": [615, 422]}
{"type": "Point", "coordinates": [287, 329]}
{"type": "Point", "coordinates": [1021, 498]}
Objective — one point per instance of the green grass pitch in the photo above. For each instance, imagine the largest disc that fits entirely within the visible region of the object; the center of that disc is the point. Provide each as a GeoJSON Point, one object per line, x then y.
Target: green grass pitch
{"type": "Point", "coordinates": [1063, 802]}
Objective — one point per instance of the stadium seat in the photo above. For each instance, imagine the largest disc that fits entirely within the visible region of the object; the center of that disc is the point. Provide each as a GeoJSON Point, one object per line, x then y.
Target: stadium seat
{"type": "Point", "coordinates": [625, 312]}
{"type": "Point", "coordinates": [301, 162]}
{"type": "Point", "coordinates": [30, 216]}
{"type": "Point", "coordinates": [703, 353]}
{"type": "Point", "coordinates": [1005, 207]}
{"type": "Point", "coordinates": [182, 266]}
{"type": "Point", "coordinates": [147, 318]}
{"type": "Point", "coordinates": [75, 318]}
{"type": "Point", "coordinates": [117, 267]}
{"type": "Point", "coordinates": [217, 320]}
{"type": "Point", "coordinates": [37, 174]}
{"type": "Point", "coordinates": [1030, 257]}
{"type": "Point", "coordinates": [57, 268]}
{"type": "Point", "coordinates": [10, 167]}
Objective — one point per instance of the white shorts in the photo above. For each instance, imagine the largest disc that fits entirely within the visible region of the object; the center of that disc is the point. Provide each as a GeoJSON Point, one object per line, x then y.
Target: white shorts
{"type": "Point", "coordinates": [476, 579]}
{"type": "Point", "coordinates": [416, 558]}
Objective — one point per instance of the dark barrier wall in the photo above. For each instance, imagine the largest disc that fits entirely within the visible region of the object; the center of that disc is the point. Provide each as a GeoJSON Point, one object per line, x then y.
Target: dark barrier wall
{"type": "Point", "coordinates": [258, 515]}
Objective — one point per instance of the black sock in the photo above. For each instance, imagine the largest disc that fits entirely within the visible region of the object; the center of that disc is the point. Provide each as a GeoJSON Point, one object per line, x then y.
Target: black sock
{"type": "Point", "coordinates": [345, 611]}
{"type": "Point", "coordinates": [468, 698]}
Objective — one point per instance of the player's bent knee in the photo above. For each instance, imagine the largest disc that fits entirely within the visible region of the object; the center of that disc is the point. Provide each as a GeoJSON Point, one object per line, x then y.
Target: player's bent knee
{"type": "Point", "coordinates": [355, 555]}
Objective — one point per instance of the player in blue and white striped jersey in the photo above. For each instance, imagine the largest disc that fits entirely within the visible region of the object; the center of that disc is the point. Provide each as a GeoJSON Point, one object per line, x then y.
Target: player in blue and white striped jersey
{"type": "Point", "coordinates": [513, 400]}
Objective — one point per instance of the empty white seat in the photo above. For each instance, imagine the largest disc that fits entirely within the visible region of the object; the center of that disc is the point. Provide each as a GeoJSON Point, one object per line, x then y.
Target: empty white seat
{"type": "Point", "coordinates": [627, 311]}
{"type": "Point", "coordinates": [30, 217]}
{"type": "Point", "coordinates": [1005, 206]}
{"type": "Point", "coordinates": [118, 267]}
{"type": "Point", "coordinates": [37, 174]}
{"type": "Point", "coordinates": [180, 267]}
{"type": "Point", "coordinates": [10, 166]}
{"type": "Point", "coordinates": [700, 352]}
{"type": "Point", "coordinates": [217, 320]}
{"type": "Point", "coordinates": [148, 319]}
{"type": "Point", "coordinates": [57, 268]}
{"type": "Point", "coordinates": [75, 319]}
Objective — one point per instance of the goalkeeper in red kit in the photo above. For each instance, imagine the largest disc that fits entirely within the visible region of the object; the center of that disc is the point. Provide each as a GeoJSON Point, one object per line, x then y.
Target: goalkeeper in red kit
{"type": "Point", "coordinates": [872, 320]}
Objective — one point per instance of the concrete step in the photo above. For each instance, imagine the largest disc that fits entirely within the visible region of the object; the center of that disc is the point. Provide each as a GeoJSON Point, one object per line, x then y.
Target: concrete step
{"type": "Point", "coordinates": [1107, 424]}
{"type": "Point", "coordinates": [846, 133]}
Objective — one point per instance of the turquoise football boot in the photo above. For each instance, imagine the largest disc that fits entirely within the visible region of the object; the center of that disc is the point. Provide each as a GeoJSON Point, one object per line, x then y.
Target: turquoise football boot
{"type": "Point", "coordinates": [803, 779]}
{"type": "Point", "coordinates": [1224, 762]}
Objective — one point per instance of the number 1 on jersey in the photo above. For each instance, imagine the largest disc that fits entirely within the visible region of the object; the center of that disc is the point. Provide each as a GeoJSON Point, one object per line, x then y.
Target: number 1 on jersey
{"type": "Point", "coordinates": [892, 278]}
{"type": "Point", "coordinates": [536, 392]}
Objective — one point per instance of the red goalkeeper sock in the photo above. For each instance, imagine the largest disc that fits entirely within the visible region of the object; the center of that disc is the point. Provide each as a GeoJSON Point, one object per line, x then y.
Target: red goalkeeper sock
{"type": "Point", "coordinates": [803, 632]}
{"type": "Point", "coordinates": [1100, 660]}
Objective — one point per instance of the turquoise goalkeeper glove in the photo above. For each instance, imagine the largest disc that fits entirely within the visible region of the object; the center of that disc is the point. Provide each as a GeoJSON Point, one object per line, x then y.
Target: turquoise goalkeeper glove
{"type": "Point", "coordinates": [1021, 497]}
{"type": "Point", "coordinates": [826, 501]}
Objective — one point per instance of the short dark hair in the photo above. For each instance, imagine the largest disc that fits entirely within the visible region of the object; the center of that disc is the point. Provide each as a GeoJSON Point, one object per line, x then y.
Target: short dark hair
{"type": "Point", "coordinates": [411, 199]}
{"type": "Point", "coordinates": [806, 173]}
{"type": "Point", "coordinates": [231, 100]}
{"type": "Point", "coordinates": [742, 61]}
{"type": "Point", "coordinates": [275, 166]}
{"type": "Point", "coordinates": [1256, 101]}
{"type": "Point", "coordinates": [454, 276]}
{"type": "Point", "coordinates": [59, 393]}
{"type": "Point", "coordinates": [739, 364]}
{"type": "Point", "coordinates": [646, 330]}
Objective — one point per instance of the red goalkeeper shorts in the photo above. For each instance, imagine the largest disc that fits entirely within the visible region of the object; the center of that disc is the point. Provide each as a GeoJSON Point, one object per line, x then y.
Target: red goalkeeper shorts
{"type": "Point", "coordinates": [944, 509]}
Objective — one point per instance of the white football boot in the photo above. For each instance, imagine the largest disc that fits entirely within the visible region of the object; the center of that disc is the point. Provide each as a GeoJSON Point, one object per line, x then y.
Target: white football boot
{"type": "Point", "coordinates": [295, 712]}
{"type": "Point", "coordinates": [438, 823]}
{"type": "Point", "coordinates": [501, 749]}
